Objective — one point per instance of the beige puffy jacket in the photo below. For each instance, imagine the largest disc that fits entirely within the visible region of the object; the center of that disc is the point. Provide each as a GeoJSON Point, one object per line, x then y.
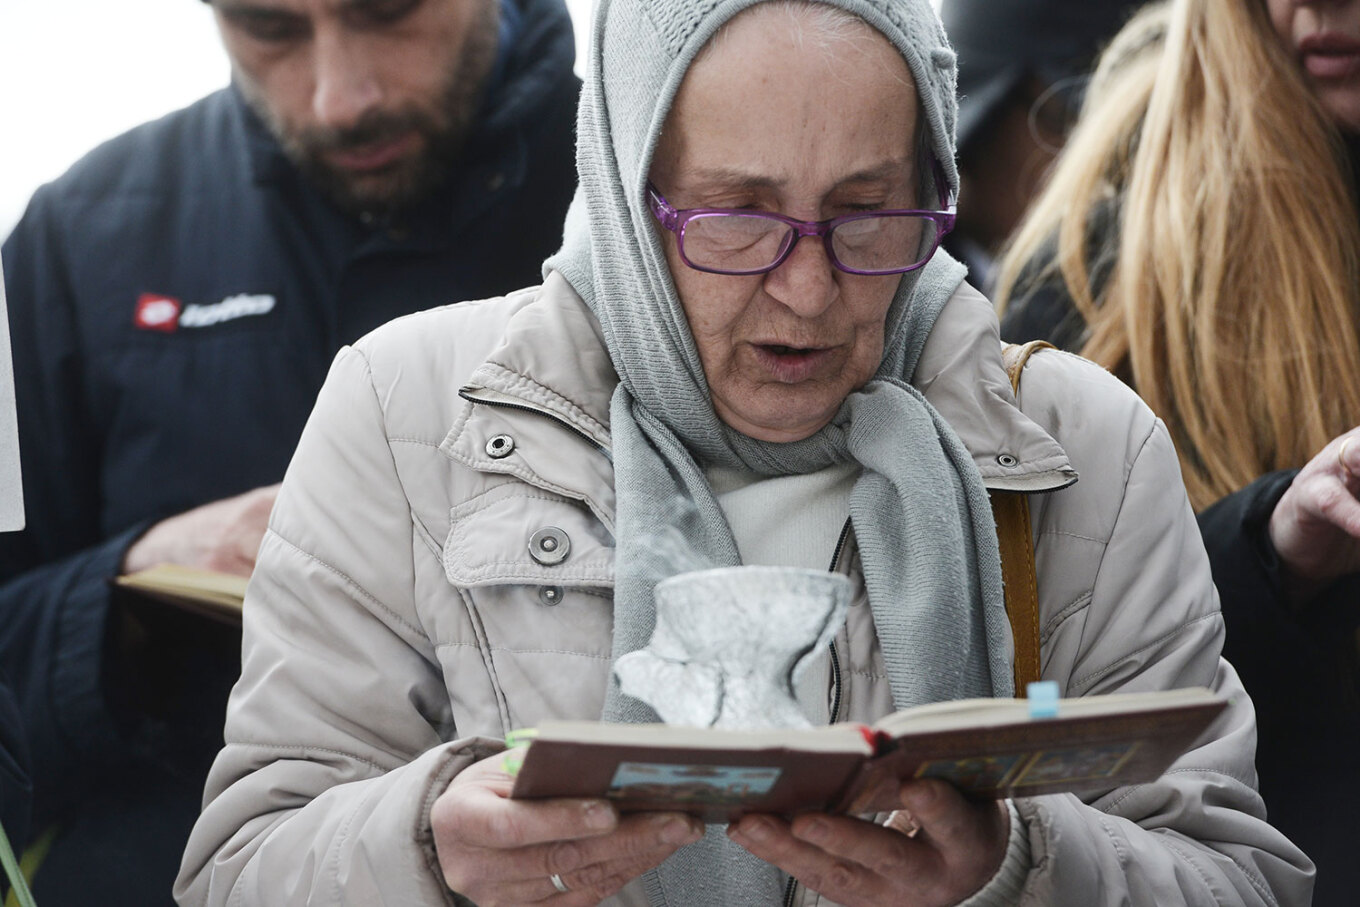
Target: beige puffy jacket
{"type": "Point", "coordinates": [399, 624]}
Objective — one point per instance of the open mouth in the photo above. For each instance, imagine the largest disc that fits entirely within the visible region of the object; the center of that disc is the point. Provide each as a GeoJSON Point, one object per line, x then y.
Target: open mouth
{"type": "Point", "coordinates": [791, 364]}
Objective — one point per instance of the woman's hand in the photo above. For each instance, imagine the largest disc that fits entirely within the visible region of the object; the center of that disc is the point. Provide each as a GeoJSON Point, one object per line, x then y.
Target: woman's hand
{"type": "Point", "coordinates": [942, 848]}
{"type": "Point", "coordinates": [494, 850]}
{"type": "Point", "coordinates": [1315, 527]}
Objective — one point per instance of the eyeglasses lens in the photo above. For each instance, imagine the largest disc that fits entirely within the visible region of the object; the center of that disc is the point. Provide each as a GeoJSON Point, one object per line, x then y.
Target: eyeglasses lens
{"type": "Point", "coordinates": [738, 243]}
{"type": "Point", "coordinates": [735, 242]}
{"type": "Point", "coordinates": [886, 243]}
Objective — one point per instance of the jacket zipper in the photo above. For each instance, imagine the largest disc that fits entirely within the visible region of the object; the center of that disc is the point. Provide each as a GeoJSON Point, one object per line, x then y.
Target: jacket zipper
{"type": "Point", "coordinates": [835, 658]}
{"type": "Point", "coordinates": [791, 889]}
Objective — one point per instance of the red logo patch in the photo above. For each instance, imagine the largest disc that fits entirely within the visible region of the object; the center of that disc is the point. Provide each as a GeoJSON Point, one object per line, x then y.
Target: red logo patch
{"type": "Point", "coordinates": [157, 313]}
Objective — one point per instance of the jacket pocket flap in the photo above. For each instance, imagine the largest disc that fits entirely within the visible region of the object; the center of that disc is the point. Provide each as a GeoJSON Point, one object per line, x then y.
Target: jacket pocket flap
{"type": "Point", "coordinates": [516, 533]}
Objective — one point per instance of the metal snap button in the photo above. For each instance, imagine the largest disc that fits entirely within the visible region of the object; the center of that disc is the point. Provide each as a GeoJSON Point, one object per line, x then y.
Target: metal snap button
{"type": "Point", "coordinates": [549, 546]}
{"type": "Point", "coordinates": [550, 595]}
{"type": "Point", "coordinates": [500, 447]}
{"type": "Point", "coordinates": [1008, 461]}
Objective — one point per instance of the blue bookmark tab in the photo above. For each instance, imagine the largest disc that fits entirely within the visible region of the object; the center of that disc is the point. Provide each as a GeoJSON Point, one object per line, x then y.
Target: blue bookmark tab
{"type": "Point", "coordinates": [1043, 699]}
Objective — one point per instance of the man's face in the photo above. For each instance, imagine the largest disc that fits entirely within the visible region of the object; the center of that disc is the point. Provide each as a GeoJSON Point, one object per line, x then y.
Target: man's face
{"type": "Point", "coordinates": [372, 99]}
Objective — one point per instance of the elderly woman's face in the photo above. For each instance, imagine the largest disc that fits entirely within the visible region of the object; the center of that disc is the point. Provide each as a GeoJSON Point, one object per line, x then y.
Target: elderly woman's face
{"type": "Point", "coordinates": [810, 130]}
{"type": "Point", "coordinates": [1324, 36]}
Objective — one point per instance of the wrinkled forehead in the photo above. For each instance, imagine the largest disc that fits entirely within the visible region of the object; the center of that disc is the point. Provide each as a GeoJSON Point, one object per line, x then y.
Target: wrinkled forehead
{"type": "Point", "coordinates": [643, 49]}
{"type": "Point", "coordinates": [794, 96]}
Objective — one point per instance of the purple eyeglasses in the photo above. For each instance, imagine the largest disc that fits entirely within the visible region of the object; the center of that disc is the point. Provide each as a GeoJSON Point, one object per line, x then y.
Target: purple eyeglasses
{"type": "Point", "coordinates": [739, 241]}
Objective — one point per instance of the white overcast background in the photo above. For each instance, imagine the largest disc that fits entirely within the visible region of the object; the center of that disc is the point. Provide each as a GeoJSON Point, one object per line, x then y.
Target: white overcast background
{"type": "Point", "coordinates": [76, 72]}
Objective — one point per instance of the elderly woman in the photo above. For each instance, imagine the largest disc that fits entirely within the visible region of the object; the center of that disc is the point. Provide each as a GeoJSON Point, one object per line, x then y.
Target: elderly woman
{"type": "Point", "coordinates": [748, 343]}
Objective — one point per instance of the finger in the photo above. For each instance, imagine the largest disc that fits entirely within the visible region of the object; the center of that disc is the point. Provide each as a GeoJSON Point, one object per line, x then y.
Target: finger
{"type": "Point", "coordinates": [880, 849]}
{"type": "Point", "coordinates": [1332, 501]}
{"type": "Point", "coordinates": [1348, 456]}
{"type": "Point", "coordinates": [477, 811]}
{"type": "Point", "coordinates": [633, 842]}
{"type": "Point", "coordinates": [528, 891]}
{"type": "Point", "coordinates": [772, 840]}
{"type": "Point", "coordinates": [541, 890]}
{"type": "Point", "coordinates": [596, 869]}
{"type": "Point", "coordinates": [637, 841]}
{"type": "Point", "coordinates": [949, 819]}
{"type": "Point", "coordinates": [935, 804]}
{"type": "Point", "coordinates": [878, 795]}
{"type": "Point", "coordinates": [237, 560]}
{"type": "Point", "coordinates": [1344, 511]}
{"type": "Point", "coordinates": [487, 819]}
{"type": "Point", "coordinates": [605, 877]}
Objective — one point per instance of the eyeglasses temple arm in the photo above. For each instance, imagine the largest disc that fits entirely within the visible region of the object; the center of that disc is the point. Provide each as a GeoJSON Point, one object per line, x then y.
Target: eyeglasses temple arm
{"type": "Point", "coordinates": [661, 208]}
{"type": "Point", "coordinates": [942, 185]}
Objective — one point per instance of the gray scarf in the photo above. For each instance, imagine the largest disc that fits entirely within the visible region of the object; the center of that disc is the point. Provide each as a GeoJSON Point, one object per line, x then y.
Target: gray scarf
{"type": "Point", "coordinates": [919, 510]}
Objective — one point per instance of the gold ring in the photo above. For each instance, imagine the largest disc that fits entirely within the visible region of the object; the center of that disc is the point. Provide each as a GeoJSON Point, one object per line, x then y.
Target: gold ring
{"type": "Point", "coordinates": [558, 883]}
{"type": "Point", "coordinates": [904, 822]}
{"type": "Point", "coordinates": [1341, 457]}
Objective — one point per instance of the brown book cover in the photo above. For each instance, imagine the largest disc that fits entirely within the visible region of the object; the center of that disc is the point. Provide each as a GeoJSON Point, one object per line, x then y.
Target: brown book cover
{"type": "Point", "coordinates": [214, 595]}
{"type": "Point", "coordinates": [986, 747]}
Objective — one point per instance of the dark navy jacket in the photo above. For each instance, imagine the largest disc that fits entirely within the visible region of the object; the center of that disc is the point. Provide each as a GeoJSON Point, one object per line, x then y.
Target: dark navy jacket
{"type": "Point", "coordinates": [175, 301]}
{"type": "Point", "coordinates": [1302, 669]}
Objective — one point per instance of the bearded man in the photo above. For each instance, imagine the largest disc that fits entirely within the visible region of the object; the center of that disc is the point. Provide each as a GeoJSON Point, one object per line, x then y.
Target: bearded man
{"type": "Point", "coordinates": [175, 300]}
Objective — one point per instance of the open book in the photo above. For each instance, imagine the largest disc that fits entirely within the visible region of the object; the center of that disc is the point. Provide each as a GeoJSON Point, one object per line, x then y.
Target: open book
{"type": "Point", "coordinates": [214, 595]}
{"type": "Point", "coordinates": [986, 747]}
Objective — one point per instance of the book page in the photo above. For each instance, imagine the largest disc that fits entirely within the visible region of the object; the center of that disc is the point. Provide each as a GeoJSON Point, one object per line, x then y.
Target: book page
{"type": "Point", "coordinates": [216, 595]}
{"type": "Point", "coordinates": [965, 713]}
{"type": "Point", "coordinates": [834, 738]}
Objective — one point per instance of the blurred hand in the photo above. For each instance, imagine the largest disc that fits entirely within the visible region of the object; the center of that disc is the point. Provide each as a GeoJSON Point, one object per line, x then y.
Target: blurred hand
{"type": "Point", "coordinates": [939, 849]}
{"type": "Point", "coordinates": [494, 850]}
{"type": "Point", "coordinates": [1315, 527]}
{"type": "Point", "coordinates": [224, 535]}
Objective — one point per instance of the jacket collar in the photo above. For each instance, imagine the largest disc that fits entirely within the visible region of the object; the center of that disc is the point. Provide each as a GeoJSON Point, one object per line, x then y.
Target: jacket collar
{"type": "Point", "coordinates": [552, 360]}
{"type": "Point", "coordinates": [962, 373]}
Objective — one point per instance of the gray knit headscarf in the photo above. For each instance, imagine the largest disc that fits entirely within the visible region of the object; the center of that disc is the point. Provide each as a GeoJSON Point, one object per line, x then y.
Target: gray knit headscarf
{"type": "Point", "coordinates": [919, 509]}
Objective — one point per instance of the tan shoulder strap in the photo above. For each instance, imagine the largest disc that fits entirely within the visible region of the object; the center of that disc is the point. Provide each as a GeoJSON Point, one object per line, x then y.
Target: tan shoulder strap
{"type": "Point", "coordinates": [1011, 512]}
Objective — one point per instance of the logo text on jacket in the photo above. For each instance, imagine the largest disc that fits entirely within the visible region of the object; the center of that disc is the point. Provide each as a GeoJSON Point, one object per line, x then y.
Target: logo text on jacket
{"type": "Point", "coordinates": [156, 312]}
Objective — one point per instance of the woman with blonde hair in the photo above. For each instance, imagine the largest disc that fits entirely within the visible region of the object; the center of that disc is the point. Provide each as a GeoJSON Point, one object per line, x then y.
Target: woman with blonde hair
{"type": "Point", "coordinates": [1199, 237]}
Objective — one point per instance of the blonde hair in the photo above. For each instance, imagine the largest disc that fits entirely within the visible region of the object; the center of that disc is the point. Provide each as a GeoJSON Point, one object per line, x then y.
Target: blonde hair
{"type": "Point", "coordinates": [1234, 263]}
